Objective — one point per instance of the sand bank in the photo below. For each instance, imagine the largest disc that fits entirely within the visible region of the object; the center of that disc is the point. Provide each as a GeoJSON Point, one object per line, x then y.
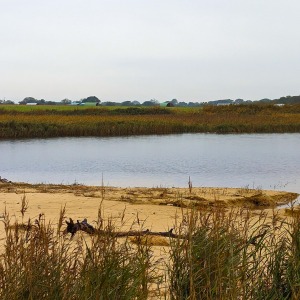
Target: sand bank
{"type": "Point", "coordinates": [153, 208]}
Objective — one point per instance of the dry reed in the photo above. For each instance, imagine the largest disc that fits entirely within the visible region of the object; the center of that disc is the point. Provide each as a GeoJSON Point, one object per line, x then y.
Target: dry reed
{"type": "Point", "coordinates": [18, 122]}
{"type": "Point", "coordinates": [221, 254]}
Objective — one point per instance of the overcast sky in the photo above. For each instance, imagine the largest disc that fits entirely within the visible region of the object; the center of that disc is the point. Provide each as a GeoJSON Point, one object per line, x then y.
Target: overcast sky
{"type": "Point", "coordinates": [117, 50]}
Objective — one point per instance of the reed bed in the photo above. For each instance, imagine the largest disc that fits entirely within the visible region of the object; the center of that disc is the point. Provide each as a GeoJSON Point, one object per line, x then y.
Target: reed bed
{"type": "Point", "coordinates": [38, 262]}
{"type": "Point", "coordinates": [234, 254]}
{"type": "Point", "coordinates": [33, 122]}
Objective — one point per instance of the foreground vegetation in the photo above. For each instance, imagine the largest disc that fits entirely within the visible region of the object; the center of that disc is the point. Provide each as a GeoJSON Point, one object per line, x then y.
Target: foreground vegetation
{"type": "Point", "coordinates": [221, 255]}
{"type": "Point", "coordinates": [62, 121]}
{"type": "Point", "coordinates": [234, 256]}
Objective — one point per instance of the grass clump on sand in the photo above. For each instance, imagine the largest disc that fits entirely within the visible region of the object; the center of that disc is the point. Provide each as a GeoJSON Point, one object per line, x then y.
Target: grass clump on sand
{"type": "Point", "coordinates": [39, 264]}
{"type": "Point", "coordinates": [236, 257]}
{"type": "Point", "coordinates": [219, 254]}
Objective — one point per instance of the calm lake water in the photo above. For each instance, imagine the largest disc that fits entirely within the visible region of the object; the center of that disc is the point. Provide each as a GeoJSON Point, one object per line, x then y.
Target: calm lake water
{"type": "Point", "coordinates": [269, 161]}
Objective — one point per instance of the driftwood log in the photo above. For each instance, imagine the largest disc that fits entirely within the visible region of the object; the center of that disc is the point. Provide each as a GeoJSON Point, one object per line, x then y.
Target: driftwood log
{"type": "Point", "coordinates": [84, 226]}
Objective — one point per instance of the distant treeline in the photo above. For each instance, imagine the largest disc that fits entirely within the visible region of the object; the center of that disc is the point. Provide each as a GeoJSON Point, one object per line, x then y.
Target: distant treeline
{"type": "Point", "coordinates": [153, 102]}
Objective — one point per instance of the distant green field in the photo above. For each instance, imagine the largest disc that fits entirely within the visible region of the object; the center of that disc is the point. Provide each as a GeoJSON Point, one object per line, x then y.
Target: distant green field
{"type": "Point", "coordinates": [31, 108]}
{"type": "Point", "coordinates": [27, 108]}
{"type": "Point", "coordinates": [22, 121]}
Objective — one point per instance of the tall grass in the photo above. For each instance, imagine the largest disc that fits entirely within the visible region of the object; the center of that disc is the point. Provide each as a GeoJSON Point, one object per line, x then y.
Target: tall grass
{"type": "Point", "coordinates": [16, 122]}
{"type": "Point", "coordinates": [39, 264]}
{"type": "Point", "coordinates": [221, 255]}
{"type": "Point", "coordinates": [236, 257]}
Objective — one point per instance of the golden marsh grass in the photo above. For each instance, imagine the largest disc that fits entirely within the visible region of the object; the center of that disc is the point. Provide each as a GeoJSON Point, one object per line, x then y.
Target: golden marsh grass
{"type": "Point", "coordinates": [19, 122]}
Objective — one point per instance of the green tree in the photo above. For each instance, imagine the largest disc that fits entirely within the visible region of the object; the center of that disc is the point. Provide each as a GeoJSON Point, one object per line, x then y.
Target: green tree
{"type": "Point", "coordinates": [91, 99]}
{"type": "Point", "coordinates": [28, 100]}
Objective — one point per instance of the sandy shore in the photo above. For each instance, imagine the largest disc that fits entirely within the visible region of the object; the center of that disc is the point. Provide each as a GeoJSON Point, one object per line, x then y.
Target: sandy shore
{"type": "Point", "coordinates": [152, 208]}
{"type": "Point", "coordinates": [156, 209]}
